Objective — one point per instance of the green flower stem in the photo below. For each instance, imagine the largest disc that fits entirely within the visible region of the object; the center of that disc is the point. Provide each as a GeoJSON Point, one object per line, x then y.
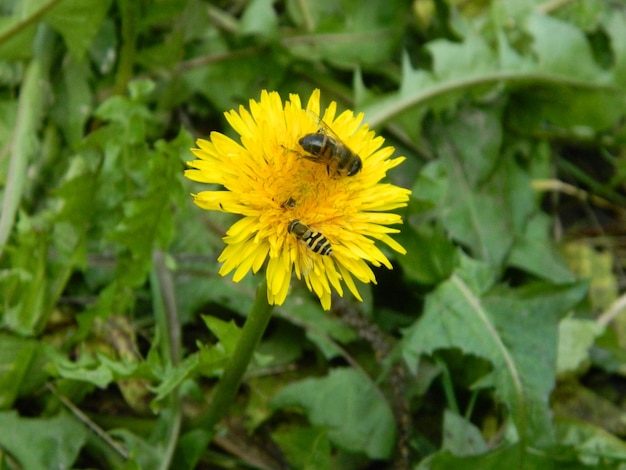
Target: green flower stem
{"type": "Point", "coordinates": [129, 12]}
{"type": "Point", "coordinates": [251, 335]}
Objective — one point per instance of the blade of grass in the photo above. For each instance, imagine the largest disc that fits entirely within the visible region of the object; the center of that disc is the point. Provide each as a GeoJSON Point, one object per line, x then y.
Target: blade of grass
{"type": "Point", "coordinates": [24, 143]}
{"type": "Point", "coordinates": [167, 318]}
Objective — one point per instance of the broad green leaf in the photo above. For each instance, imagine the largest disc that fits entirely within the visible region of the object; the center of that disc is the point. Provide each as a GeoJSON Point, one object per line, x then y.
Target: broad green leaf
{"type": "Point", "coordinates": [8, 116]}
{"type": "Point", "coordinates": [516, 330]}
{"type": "Point", "coordinates": [203, 292]}
{"type": "Point", "coordinates": [460, 437]}
{"type": "Point", "coordinates": [581, 112]}
{"type": "Point", "coordinates": [209, 360]}
{"type": "Point", "coordinates": [556, 42]}
{"type": "Point", "coordinates": [584, 14]}
{"type": "Point", "coordinates": [513, 457]}
{"type": "Point", "coordinates": [306, 449]}
{"type": "Point", "coordinates": [103, 48]}
{"type": "Point", "coordinates": [593, 445]}
{"type": "Point", "coordinates": [18, 28]}
{"type": "Point", "coordinates": [226, 93]}
{"type": "Point", "coordinates": [473, 139]}
{"type": "Point", "coordinates": [78, 22]}
{"type": "Point", "coordinates": [303, 310]}
{"type": "Point", "coordinates": [431, 256]}
{"type": "Point", "coordinates": [144, 454]}
{"type": "Point", "coordinates": [471, 65]}
{"type": "Point", "coordinates": [431, 186]}
{"type": "Point", "coordinates": [259, 18]}
{"type": "Point", "coordinates": [576, 336]}
{"type": "Point", "coordinates": [190, 448]}
{"type": "Point", "coordinates": [348, 405]}
{"type": "Point", "coordinates": [87, 368]}
{"type": "Point", "coordinates": [597, 267]}
{"type": "Point", "coordinates": [535, 252]}
{"type": "Point", "coordinates": [616, 29]}
{"type": "Point", "coordinates": [42, 443]}
{"type": "Point", "coordinates": [227, 333]}
{"type": "Point", "coordinates": [24, 287]}
{"type": "Point", "coordinates": [457, 69]}
{"type": "Point", "coordinates": [129, 115]}
{"type": "Point", "coordinates": [573, 401]}
{"type": "Point", "coordinates": [73, 100]}
{"type": "Point", "coordinates": [472, 56]}
{"type": "Point", "coordinates": [489, 196]}
{"type": "Point", "coordinates": [21, 368]}
{"type": "Point", "coordinates": [337, 26]}
{"type": "Point", "coordinates": [172, 376]}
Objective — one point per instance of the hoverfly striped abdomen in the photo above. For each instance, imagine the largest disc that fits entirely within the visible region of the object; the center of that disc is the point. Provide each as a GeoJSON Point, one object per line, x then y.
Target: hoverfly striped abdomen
{"type": "Point", "coordinates": [316, 241]}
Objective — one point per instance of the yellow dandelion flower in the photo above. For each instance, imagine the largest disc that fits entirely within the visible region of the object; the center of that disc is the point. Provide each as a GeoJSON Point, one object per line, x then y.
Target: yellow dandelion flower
{"type": "Point", "coordinates": [299, 213]}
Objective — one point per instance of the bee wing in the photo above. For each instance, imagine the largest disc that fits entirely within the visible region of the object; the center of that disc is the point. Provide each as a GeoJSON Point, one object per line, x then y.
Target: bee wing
{"type": "Point", "coordinates": [325, 127]}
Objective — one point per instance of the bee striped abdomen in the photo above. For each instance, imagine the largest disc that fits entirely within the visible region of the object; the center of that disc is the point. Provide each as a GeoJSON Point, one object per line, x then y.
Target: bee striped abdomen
{"type": "Point", "coordinates": [316, 241]}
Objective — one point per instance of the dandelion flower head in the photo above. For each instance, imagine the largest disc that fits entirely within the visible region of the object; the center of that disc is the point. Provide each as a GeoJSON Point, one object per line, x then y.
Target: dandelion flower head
{"type": "Point", "coordinates": [268, 180]}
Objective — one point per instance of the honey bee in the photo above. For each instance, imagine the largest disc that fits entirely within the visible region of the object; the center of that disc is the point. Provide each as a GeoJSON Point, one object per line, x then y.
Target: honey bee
{"type": "Point", "coordinates": [324, 146]}
{"type": "Point", "coordinates": [317, 242]}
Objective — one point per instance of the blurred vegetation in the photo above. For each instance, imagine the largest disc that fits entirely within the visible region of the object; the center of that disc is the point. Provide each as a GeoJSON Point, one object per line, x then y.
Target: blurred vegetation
{"type": "Point", "coordinates": [496, 342]}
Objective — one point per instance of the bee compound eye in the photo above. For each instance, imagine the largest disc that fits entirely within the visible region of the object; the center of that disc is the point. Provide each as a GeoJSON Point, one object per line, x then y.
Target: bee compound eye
{"type": "Point", "coordinates": [356, 167]}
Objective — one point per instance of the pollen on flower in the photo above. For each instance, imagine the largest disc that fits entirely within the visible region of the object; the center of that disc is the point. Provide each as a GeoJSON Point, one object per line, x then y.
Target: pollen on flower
{"type": "Point", "coordinates": [271, 181]}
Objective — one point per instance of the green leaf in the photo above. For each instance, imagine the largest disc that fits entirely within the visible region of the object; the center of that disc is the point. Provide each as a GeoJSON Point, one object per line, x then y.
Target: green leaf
{"type": "Point", "coordinates": [348, 405]}
{"type": "Point", "coordinates": [511, 457]}
{"type": "Point", "coordinates": [303, 310]}
{"type": "Point", "coordinates": [21, 368]}
{"type": "Point", "coordinates": [574, 401]}
{"type": "Point", "coordinates": [595, 447]}
{"type": "Point", "coordinates": [514, 329]}
{"type": "Point", "coordinates": [535, 252]}
{"type": "Point", "coordinates": [337, 27]}
{"type": "Point", "coordinates": [616, 29]}
{"type": "Point", "coordinates": [226, 93]}
{"type": "Point", "coordinates": [78, 22]}
{"type": "Point", "coordinates": [227, 333]}
{"type": "Point", "coordinates": [473, 140]}
{"type": "Point", "coordinates": [489, 196]}
{"type": "Point", "coordinates": [431, 186]}
{"type": "Point", "coordinates": [461, 437]}
{"type": "Point", "coordinates": [306, 449]}
{"type": "Point", "coordinates": [259, 18]}
{"type": "Point", "coordinates": [190, 448]}
{"type": "Point", "coordinates": [431, 256]}
{"type": "Point", "coordinates": [598, 267]}
{"type": "Point", "coordinates": [472, 57]}
{"type": "Point", "coordinates": [561, 109]}
{"type": "Point", "coordinates": [24, 287]}
{"type": "Point", "coordinates": [73, 100]}
{"type": "Point", "coordinates": [98, 370]}
{"type": "Point", "coordinates": [143, 453]}
{"type": "Point", "coordinates": [576, 336]}
{"type": "Point", "coordinates": [172, 376]}
{"type": "Point", "coordinates": [42, 443]}
{"type": "Point", "coordinates": [555, 43]}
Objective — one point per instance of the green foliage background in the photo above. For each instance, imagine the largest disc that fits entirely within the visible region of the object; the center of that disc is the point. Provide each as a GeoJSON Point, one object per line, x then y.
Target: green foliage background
{"type": "Point", "coordinates": [496, 342]}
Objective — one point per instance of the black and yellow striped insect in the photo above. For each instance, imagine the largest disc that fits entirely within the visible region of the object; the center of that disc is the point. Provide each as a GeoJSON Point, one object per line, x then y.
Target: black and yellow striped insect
{"type": "Point", "coordinates": [317, 242]}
